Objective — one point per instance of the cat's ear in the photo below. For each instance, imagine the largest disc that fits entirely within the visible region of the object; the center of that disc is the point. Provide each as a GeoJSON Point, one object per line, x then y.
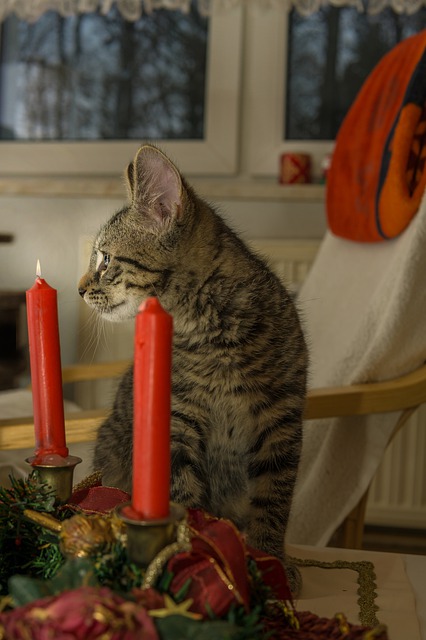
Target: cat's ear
{"type": "Point", "coordinates": [155, 185]}
{"type": "Point", "coordinates": [130, 180]}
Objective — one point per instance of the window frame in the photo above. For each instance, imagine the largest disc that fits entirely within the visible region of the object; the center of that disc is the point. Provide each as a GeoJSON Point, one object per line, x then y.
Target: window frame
{"type": "Point", "coordinates": [265, 93]}
{"type": "Point", "coordinates": [216, 154]}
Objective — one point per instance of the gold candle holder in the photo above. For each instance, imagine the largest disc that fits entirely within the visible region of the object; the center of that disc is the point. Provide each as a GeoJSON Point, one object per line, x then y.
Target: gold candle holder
{"type": "Point", "coordinates": [57, 476]}
{"type": "Point", "coordinates": [146, 538]}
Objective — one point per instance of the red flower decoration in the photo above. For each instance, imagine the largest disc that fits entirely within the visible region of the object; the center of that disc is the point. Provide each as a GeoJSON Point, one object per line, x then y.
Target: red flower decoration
{"type": "Point", "coordinates": [97, 499]}
{"type": "Point", "coordinates": [87, 612]}
{"type": "Point", "coordinates": [216, 567]}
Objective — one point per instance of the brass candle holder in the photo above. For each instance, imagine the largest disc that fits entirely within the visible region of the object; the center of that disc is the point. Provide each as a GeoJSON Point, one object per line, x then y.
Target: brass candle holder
{"type": "Point", "coordinates": [146, 538]}
{"type": "Point", "coordinates": [58, 476]}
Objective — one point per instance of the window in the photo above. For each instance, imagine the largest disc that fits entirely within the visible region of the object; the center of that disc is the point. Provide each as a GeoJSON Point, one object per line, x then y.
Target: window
{"type": "Point", "coordinates": [329, 56]}
{"type": "Point", "coordinates": [169, 77]}
{"type": "Point", "coordinates": [100, 77]}
{"type": "Point", "coordinates": [223, 96]}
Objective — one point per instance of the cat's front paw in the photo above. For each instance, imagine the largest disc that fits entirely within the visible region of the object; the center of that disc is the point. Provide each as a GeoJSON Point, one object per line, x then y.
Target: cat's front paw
{"type": "Point", "coordinates": [294, 577]}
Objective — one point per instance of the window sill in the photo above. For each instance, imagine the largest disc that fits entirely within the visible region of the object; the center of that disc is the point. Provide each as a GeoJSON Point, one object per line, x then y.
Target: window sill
{"type": "Point", "coordinates": [210, 188]}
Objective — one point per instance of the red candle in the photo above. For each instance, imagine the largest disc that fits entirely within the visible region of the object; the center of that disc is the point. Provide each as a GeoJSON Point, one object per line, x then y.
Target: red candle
{"type": "Point", "coordinates": [46, 376]}
{"type": "Point", "coordinates": [151, 408]}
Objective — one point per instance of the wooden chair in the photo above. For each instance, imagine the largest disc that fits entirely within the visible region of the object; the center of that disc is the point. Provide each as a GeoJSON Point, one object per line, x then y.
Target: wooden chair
{"type": "Point", "coordinates": [404, 394]}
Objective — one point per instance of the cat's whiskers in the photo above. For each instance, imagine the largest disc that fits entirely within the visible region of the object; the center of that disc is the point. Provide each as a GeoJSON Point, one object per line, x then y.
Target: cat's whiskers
{"type": "Point", "coordinates": [155, 291]}
{"type": "Point", "coordinates": [101, 334]}
{"type": "Point", "coordinates": [92, 330]}
{"type": "Point", "coordinates": [87, 330]}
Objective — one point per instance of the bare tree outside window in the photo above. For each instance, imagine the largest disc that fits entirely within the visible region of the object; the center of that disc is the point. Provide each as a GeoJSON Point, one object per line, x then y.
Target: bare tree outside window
{"type": "Point", "coordinates": [92, 77]}
{"type": "Point", "coordinates": [330, 54]}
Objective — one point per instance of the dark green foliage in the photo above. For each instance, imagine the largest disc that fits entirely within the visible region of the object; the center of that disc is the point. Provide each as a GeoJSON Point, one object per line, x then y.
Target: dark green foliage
{"type": "Point", "coordinates": [27, 549]}
{"type": "Point", "coordinates": [23, 543]}
{"type": "Point", "coordinates": [73, 574]}
{"type": "Point", "coordinates": [113, 570]}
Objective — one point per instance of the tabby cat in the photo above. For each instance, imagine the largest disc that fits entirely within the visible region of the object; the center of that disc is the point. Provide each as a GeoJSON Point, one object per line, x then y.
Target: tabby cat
{"type": "Point", "coordinates": [239, 355]}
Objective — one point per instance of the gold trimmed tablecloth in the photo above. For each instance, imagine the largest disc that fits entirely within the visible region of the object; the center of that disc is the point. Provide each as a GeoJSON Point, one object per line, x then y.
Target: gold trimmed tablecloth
{"type": "Point", "coordinates": [366, 586]}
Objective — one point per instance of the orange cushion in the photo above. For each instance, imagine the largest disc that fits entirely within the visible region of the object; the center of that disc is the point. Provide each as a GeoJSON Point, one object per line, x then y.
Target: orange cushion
{"type": "Point", "coordinates": [377, 174]}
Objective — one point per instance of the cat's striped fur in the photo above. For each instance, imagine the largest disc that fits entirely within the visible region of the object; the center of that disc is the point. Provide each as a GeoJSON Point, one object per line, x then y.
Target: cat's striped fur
{"type": "Point", "coordinates": [239, 356]}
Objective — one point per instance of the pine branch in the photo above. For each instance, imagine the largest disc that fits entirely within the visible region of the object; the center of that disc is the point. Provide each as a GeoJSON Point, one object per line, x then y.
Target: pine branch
{"type": "Point", "coordinates": [22, 542]}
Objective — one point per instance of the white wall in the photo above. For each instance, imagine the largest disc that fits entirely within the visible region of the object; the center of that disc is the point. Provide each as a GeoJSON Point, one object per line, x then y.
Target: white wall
{"type": "Point", "coordinates": [49, 228]}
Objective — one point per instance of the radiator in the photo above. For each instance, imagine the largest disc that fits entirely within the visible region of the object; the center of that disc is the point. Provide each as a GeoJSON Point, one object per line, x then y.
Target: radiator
{"type": "Point", "coordinates": [290, 259]}
{"type": "Point", "coordinates": [397, 496]}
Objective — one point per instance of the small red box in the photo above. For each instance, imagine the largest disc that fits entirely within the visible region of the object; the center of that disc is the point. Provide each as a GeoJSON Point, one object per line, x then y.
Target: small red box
{"type": "Point", "coordinates": [295, 168]}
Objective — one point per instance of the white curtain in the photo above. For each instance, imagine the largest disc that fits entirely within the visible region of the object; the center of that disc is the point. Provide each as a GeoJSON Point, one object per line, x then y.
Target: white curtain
{"type": "Point", "coordinates": [133, 9]}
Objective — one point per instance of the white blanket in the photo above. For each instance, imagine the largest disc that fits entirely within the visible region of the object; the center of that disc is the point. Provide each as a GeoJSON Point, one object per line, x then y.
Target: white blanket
{"type": "Point", "coordinates": [364, 312]}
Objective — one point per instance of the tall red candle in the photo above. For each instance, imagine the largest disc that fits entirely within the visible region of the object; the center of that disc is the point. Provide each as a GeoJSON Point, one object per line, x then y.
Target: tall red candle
{"type": "Point", "coordinates": [46, 376]}
{"type": "Point", "coordinates": [151, 408]}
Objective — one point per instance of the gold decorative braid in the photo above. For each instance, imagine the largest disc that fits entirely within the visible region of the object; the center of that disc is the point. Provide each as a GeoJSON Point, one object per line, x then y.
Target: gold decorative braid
{"type": "Point", "coordinates": [89, 481]}
{"type": "Point", "coordinates": [156, 568]}
{"type": "Point", "coordinates": [366, 585]}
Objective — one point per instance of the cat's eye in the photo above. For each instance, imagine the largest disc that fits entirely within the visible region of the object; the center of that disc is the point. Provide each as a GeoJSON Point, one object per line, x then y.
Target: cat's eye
{"type": "Point", "coordinates": [104, 262]}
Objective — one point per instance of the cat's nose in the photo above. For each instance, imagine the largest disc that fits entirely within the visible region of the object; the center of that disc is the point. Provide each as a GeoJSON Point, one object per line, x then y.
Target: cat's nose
{"type": "Point", "coordinates": [82, 285]}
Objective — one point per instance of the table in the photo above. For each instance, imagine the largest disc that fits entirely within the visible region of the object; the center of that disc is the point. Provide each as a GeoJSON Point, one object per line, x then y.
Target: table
{"type": "Point", "coordinates": [331, 584]}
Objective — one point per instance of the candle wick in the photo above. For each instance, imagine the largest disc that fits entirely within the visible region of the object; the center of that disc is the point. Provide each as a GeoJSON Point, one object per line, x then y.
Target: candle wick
{"type": "Point", "coordinates": [38, 269]}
